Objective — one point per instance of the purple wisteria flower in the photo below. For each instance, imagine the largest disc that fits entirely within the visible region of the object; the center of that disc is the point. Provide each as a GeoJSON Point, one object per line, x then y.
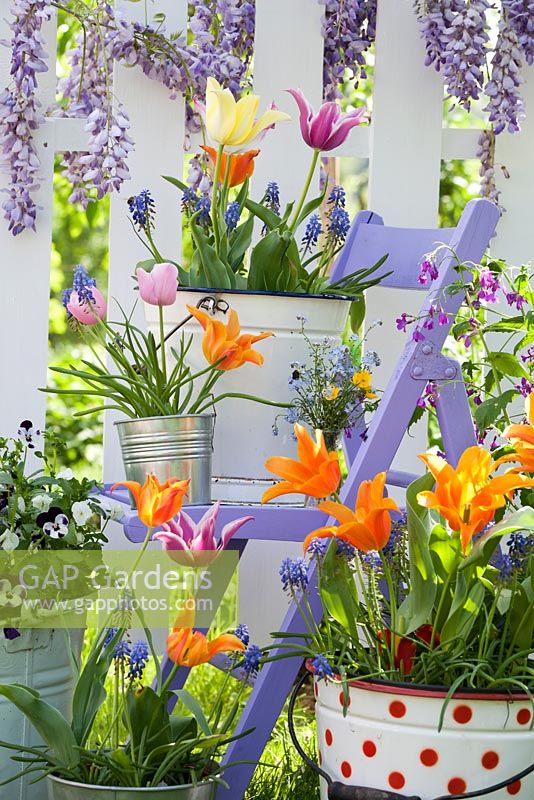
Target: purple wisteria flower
{"type": "Point", "coordinates": [20, 112]}
{"type": "Point", "coordinates": [349, 29]}
{"type": "Point", "coordinates": [520, 15]}
{"type": "Point", "coordinates": [506, 107]}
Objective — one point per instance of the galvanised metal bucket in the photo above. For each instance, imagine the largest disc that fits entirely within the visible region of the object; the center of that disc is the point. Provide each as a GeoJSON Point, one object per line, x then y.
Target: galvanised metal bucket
{"type": "Point", "coordinates": [60, 789]}
{"type": "Point", "coordinates": [171, 447]}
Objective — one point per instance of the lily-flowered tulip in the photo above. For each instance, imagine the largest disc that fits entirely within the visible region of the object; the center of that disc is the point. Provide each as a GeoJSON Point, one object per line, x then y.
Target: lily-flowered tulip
{"type": "Point", "coordinates": [233, 123]}
{"type": "Point", "coordinates": [88, 312]}
{"type": "Point", "coordinates": [156, 503]}
{"type": "Point", "coordinates": [196, 544]}
{"type": "Point", "coordinates": [226, 342]}
{"type": "Point", "coordinates": [315, 474]}
{"type": "Point", "coordinates": [330, 127]}
{"type": "Point", "coordinates": [468, 497]}
{"type": "Point", "coordinates": [241, 166]}
{"type": "Point", "coordinates": [368, 527]}
{"type": "Point", "coordinates": [522, 439]}
{"type": "Point", "coordinates": [189, 648]}
{"type": "Point", "coordinates": [159, 286]}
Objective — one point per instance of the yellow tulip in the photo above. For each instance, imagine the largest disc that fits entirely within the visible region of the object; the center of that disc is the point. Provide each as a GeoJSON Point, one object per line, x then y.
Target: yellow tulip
{"type": "Point", "coordinates": [232, 123]}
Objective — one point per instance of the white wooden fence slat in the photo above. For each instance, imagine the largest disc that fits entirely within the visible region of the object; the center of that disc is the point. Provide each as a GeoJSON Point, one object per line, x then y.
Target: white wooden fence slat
{"type": "Point", "coordinates": [26, 273]}
{"type": "Point", "coordinates": [404, 170]}
{"type": "Point", "coordinates": [515, 239]}
{"type": "Point", "coordinates": [288, 54]}
{"type": "Point", "coordinates": [157, 127]}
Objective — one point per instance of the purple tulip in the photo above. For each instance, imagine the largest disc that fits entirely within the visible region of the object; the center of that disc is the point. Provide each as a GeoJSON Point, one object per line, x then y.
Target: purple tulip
{"type": "Point", "coordinates": [330, 127]}
{"type": "Point", "coordinates": [195, 544]}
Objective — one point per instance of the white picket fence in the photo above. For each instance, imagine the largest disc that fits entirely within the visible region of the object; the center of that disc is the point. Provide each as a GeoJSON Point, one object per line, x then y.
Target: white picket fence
{"type": "Point", "coordinates": [404, 144]}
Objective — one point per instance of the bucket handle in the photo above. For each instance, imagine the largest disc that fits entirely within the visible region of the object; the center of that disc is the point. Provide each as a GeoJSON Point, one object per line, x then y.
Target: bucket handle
{"type": "Point", "coordinates": [210, 304]}
{"type": "Point", "coordinates": [340, 791]}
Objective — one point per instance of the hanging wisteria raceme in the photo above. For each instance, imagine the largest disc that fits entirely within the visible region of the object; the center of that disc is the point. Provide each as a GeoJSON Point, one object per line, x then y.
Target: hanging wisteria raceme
{"type": "Point", "coordinates": [348, 30]}
{"type": "Point", "coordinates": [506, 107]}
{"type": "Point", "coordinates": [456, 36]}
{"type": "Point", "coordinates": [20, 112]}
{"type": "Point", "coordinates": [521, 18]}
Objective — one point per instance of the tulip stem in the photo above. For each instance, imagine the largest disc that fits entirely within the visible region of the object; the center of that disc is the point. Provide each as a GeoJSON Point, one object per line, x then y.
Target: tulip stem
{"type": "Point", "coordinates": [162, 340]}
{"type": "Point", "coordinates": [170, 677]}
{"type": "Point", "coordinates": [296, 213]}
{"type": "Point", "coordinates": [214, 209]}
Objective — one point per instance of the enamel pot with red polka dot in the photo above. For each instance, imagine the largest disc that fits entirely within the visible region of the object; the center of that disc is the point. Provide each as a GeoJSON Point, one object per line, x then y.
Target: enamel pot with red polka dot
{"type": "Point", "coordinates": [389, 739]}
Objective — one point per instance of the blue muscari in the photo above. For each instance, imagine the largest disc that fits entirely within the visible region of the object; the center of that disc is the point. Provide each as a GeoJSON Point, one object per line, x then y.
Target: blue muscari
{"type": "Point", "coordinates": [321, 667]}
{"type": "Point", "coordinates": [138, 659]}
{"type": "Point", "coordinates": [141, 208]}
{"type": "Point", "coordinates": [293, 574]}
{"type": "Point", "coordinates": [231, 215]}
{"type": "Point", "coordinates": [252, 659]}
{"type": "Point", "coordinates": [242, 632]}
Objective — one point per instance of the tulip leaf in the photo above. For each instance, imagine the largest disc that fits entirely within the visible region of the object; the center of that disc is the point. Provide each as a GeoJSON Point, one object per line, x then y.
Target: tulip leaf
{"type": "Point", "coordinates": [338, 591]}
{"type": "Point", "coordinates": [416, 608]}
{"type": "Point", "coordinates": [240, 243]}
{"type": "Point", "coordinates": [175, 182]}
{"type": "Point", "coordinates": [90, 694]}
{"type": "Point", "coordinates": [218, 275]}
{"type": "Point", "coordinates": [467, 601]}
{"type": "Point", "coordinates": [357, 314]}
{"type": "Point", "coordinates": [268, 217]}
{"type": "Point", "coordinates": [522, 615]}
{"type": "Point", "coordinates": [147, 719]}
{"type": "Point", "coordinates": [520, 520]}
{"type": "Point", "coordinates": [311, 206]}
{"type": "Point", "coordinates": [51, 726]}
{"type": "Point", "coordinates": [267, 262]}
{"type": "Point", "coordinates": [192, 705]}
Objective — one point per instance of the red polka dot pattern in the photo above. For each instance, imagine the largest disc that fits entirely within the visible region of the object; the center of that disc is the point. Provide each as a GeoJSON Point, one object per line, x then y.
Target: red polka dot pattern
{"type": "Point", "coordinates": [514, 788]}
{"type": "Point", "coordinates": [369, 749]}
{"type": "Point", "coordinates": [397, 709]}
{"type": "Point", "coordinates": [462, 715]}
{"type": "Point", "coordinates": [396, 780]}
{"type": "Point", "coordinates": [328, 737]}
{"type": "Point", "coordinates": [490, 759]}
{"type": "Point", "coordinates": [428, 757]}
{"type": "Point", "coordinates": [524, 716]}
{"type": "Point", "coordinates": [346, 769]}
{"type": "Point", "coordinates": [457, 786]}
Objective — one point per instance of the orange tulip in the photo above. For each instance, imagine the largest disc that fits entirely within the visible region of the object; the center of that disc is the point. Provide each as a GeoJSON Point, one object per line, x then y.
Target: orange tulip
{"type": "Point", "coordinates": [156, 503]}
{"type": "Point", "coordinates": [315, 474]}
{"type": "Point", "coordinates": [241, 166]}
{"type": "Point", "coordinates": [189, 648]}
{"type": "Point", "coordinates": [467, 497]}
{"type": "Point", "coordinates": [227, 342]}
{"type": "Point", "coordinates": [522, 438]}
{"type": "Point", "coordinates": [368, 527]}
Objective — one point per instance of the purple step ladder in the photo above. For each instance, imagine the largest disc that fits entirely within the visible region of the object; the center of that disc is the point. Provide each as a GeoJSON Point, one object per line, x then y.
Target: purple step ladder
{"type": "Point", "coordinates": [368, 240]}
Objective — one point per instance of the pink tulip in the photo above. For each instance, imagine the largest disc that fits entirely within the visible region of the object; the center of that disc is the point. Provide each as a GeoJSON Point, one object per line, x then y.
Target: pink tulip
{"type": "Point", "coordinates": [159, 286]}
{"type": "Point", "coordinates": [88, 312]}
{"type": "Point", "coordinates": [329, 128]}
{"type": "Point", "coordinates": [195, 544]}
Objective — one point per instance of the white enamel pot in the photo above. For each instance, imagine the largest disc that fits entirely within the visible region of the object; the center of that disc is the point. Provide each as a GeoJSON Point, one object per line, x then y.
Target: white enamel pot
{"type": "Point", "coordinates": [41, 659]}
{"type": "Point", "coordinates": [244, 430]}
{"type": "Point", "coordinates": [390, 740]}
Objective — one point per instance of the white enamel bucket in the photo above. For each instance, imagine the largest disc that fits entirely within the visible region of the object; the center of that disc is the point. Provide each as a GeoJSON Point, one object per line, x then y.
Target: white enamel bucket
{"type": "Point", "coordinates": [390, 740]}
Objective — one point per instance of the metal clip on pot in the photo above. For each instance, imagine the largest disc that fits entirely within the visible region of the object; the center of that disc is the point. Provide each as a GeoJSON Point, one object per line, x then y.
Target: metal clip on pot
{"type": "Point", "coordinates": [340, 791]}
{"type": "Point", "coordinates": [210, 304]}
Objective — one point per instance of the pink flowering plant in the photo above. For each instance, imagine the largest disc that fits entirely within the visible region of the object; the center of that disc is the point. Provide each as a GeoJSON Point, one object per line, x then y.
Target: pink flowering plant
{"type": "Point", "coordinates": [491, 336]}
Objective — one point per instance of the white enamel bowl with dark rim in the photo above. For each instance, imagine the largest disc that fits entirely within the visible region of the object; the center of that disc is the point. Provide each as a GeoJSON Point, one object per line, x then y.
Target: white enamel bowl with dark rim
{"type": "Point", "coordinates": [390, 740]}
